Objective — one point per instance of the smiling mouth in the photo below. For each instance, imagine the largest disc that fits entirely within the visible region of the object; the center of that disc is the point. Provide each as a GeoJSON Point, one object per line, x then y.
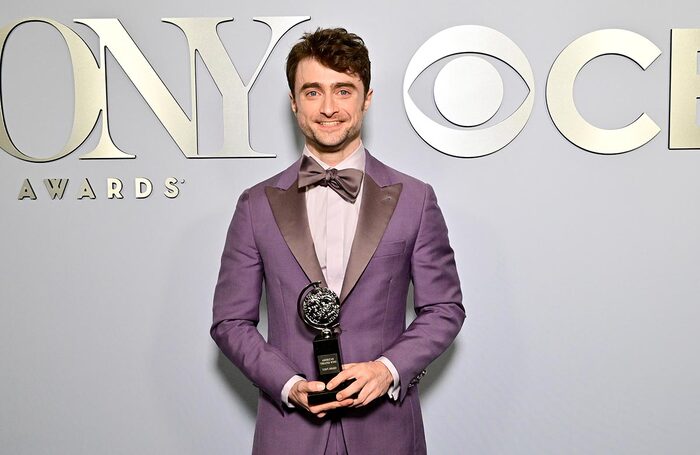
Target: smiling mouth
{"type": "Point", "coordinates": [330, 123]}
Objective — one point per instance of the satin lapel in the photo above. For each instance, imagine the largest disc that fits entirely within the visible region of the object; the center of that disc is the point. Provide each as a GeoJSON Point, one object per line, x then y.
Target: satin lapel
{"type": "Point", "coordinates": [289, 209]}
{"type": "Point", "coordinates": [378, 204]}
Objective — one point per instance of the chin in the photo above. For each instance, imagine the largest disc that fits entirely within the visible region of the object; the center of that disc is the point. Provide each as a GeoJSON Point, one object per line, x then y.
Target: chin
{"type": "Point", "coordinates": [332, 145]}
{"type": "Point", "coordinates": [330, 148]}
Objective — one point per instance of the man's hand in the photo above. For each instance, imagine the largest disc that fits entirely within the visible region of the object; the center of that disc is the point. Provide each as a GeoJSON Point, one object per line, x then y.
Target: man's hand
{"type": "Point", "coordinates": [372, 380]}
{"type": "Point", "coordinates": [298, 395]}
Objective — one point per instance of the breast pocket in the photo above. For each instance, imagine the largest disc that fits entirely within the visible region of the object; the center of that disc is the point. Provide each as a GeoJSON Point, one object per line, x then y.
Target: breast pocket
{"type": "Point", "coordinates": [389, 249]}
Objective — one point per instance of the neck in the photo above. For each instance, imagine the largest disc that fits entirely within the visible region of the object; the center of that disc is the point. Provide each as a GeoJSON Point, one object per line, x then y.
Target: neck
{"type": "Point", "coordinates": [333, 157]}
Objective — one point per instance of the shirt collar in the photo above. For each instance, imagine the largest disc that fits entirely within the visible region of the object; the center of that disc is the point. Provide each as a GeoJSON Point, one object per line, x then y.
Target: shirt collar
{"type": "Point", "coordinates": [356, 160]}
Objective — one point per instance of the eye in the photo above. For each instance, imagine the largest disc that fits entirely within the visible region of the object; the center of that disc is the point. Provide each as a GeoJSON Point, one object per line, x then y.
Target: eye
{"type": "Point", "coordinates": [344, 92]}
{"type": "Point", "coordinates": [468, 91]}
{"type": "Point", "coordinates": [311, 93]}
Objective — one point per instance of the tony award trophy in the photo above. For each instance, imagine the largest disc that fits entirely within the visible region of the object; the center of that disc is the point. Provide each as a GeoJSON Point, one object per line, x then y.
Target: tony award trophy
{"type": "Point", "coordinates": [319, 308]}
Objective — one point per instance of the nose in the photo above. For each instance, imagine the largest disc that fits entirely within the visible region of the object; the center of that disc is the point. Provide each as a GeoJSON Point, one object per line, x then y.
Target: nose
{"type": "Point", "coordinates": [328, 107]}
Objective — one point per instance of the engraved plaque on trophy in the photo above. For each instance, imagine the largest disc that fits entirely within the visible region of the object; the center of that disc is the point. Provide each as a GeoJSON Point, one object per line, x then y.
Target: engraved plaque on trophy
{"type": "Point", "coordinates": [319, 308]}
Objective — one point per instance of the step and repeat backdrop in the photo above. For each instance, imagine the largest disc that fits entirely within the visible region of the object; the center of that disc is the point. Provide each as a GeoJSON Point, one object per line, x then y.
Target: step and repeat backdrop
{"type": "Point", "coordinates": [562, 141]}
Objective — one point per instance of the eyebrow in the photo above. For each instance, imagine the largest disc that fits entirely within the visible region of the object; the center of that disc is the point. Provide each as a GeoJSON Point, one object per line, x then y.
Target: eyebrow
{"type": "Point", "coordinates": [337, 85]}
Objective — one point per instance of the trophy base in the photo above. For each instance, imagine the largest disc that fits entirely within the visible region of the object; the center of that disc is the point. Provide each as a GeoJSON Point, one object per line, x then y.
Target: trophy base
{"type": "Point", "coordinates": [326, 396]}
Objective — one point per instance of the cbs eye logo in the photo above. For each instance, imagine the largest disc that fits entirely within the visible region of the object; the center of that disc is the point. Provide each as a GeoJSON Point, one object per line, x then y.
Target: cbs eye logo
{"type": "Point", "coordinates": [468, 91]}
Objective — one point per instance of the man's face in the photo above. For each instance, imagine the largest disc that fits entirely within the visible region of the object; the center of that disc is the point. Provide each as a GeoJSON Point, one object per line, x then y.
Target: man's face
{"type": "Point", "coordinates": [329, 107]}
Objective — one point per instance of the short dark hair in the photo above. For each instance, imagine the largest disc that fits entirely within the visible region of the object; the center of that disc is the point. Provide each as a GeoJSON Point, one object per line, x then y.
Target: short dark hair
{"type": "Point", "coordinates": [334, 48]}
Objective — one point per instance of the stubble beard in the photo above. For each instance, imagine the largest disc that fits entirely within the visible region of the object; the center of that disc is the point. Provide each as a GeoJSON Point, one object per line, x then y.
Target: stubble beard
{"type": "Point", "coordinates": [331, 143]}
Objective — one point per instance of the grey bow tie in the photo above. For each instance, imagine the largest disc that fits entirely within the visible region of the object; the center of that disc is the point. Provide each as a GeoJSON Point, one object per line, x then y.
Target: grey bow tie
{"type": "Point", "coordinates": [345, 182]}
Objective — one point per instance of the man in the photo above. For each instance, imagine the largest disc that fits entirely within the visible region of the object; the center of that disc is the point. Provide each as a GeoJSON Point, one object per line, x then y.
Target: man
{"type": "Point", "coordinates": [365, 231]}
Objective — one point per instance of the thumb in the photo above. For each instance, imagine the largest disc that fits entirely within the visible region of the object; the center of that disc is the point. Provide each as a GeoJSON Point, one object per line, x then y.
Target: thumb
{"type": "Point", "coordinates": [315, 386]}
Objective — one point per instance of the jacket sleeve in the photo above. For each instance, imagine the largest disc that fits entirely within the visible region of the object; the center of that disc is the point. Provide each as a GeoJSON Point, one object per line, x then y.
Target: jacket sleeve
{"type": "Point", "coordinates": [236, 309]}
{"type": "Point", "coordinates": [437, 298]}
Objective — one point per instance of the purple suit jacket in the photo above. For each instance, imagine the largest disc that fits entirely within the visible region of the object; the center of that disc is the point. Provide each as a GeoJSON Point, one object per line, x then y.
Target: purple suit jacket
{"type": "Point", "coordinates": [401, 237]}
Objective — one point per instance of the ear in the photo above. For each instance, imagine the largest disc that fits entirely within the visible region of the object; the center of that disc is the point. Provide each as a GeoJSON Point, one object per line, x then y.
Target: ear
{"type": "Point", "coordinates": [368, 100]}
{"type": "Point", "coordinates": [293, 102]}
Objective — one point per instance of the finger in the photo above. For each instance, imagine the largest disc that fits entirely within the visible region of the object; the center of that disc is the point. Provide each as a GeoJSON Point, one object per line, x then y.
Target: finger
{"type": "Point", "coordinates": [365, 399]}
{"type": "Point", "coordinates": [364, 393]}
{"type": "Point", "coordinates": [339, 379]}
{"type": "Point", "coordinates": [348, 365]}
{"type": "Point", "coordinates": [311, 386]}
{"type": "Point", "coordinates": [350, 390]}
{"type": "Point", "coordinates": [323, 408]}
{"type": "Point", "coordinates": [321, 415]}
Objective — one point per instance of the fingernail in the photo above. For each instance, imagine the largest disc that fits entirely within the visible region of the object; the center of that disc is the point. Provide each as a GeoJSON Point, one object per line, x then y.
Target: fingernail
{"type": "Point", "coordinates": [320, 387]}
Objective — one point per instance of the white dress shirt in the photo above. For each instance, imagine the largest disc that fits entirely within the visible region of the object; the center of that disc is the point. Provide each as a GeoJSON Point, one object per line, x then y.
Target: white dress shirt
{"type": "Point", "coordinates": [332, 222]}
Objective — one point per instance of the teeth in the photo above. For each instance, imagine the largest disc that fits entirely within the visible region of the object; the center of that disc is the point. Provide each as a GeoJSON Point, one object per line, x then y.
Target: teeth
{"type": "Point", "coordinates": [329, 123]}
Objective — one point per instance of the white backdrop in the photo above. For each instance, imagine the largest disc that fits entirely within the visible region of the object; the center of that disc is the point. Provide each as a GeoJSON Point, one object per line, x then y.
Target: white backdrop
{"type": "Point", "coordinates": [579, 271]}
